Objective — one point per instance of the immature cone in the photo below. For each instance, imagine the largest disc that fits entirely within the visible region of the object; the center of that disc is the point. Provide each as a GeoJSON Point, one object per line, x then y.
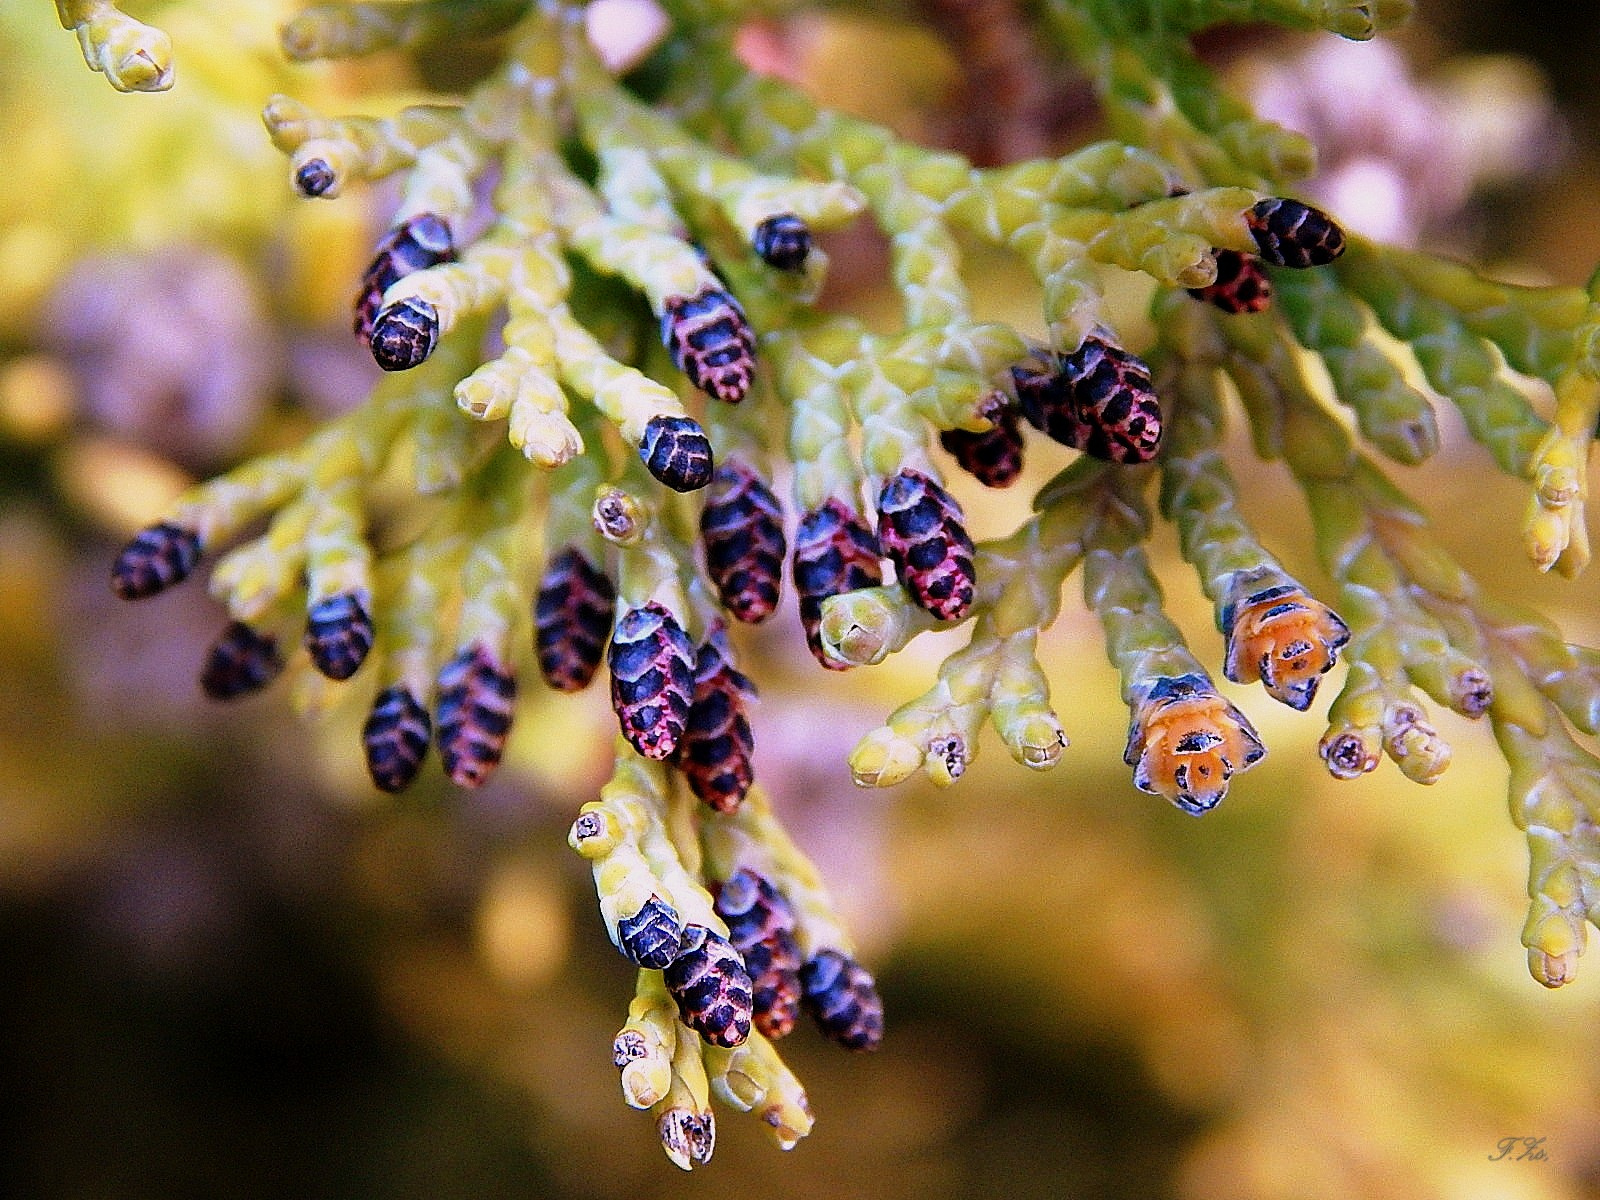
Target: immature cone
{"type": "Point", "coordinates": [1098, 399]}
{"type": "Point", "coordinates": [645, 1066]}
{"type": "Point", "coordinates": [1416, 747]}
{"type": "Point", "coordinates": [741, 528]}
{"type": "Point", "coordinates": [157, 558]}
{"type": "Point", "coordinates": [761, 928]}
{"type": "Point", "coordinates": [1241, 285]}
{"type": "Point", "coordinates": [711, 342]}
{"type": "Point", "coordinates": [783, 241]}
{"type": "Point", "coordinates": [677, 452]}
{"type": "Point", "coordinates": [652, 678]}
{"type": "Point", "coordinates": [843, 1000]}
{"type": "Point", "coordinates": [404, 334]}
{"type": "Point", "coordinates": [572, 620]}
{"type": "Point", "coordinates": [834, 552]}
{"type": "Point", "coordinates": [1471, 693]}
{"type": "Point", "coordinates": [423, 241]}
{"type": "Point", "coordinates": [1284, 638]}
{"type": "Point", "coordinates": [338, 635]}
{"type": "Point", "coordinates": [653, 936]}
{"type": "Point", "coordinates": [687, 1136]}
{"type": "Point", "coordinates": [1348, 754]}
{"type": "Point", "coordinates": [619, 517]}
{"type": "Point", "coordinates": [395, 738]}
{"type": "Point", "coordinates": [920, 528]}
{"type": "Point", "coordinates": [714, 751]}
{"type": "Point", "coordinates": [993, 457]}
{"type": "Point", "coordinates": [1186, 742]}
{"type": "Point", "coordinates": [713, 990]}
{"type": "Point", "coordinates": [1291, 234]}
{"type": "Point", "coordinates": [239, 662]}
{"type": "Point", "coordinates": [314, 178]}
{"type": "Point", "coordinates": [473, 716]}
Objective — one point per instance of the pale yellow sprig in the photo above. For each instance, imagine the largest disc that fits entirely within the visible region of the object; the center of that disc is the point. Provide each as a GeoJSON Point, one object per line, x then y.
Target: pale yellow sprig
{"type": "Point", "coordinates": [1556, 529]}
{"type": "Point", "coordinates": [751, 1077]}
{"type": "Point", "coordinates": [416, 594]}
{"type": "Point", "coordinates": [812, 372]}
{"type": "Point", "coordinates": [863, 627]}
{"type": "Point", "coordinates": [337, 556]}
{"type": "Point", "coordinates": [992, 677]}
{"type": "Point", "coordinates": [1157, 95]}
{"type": "Point", "coordinates": [360, 27]}
{"type": "Point", "coordinates": [494, 576]}
{"type": "Point", "coordinates": [645, 1047]}
{"type": "Point", "coordinates": [638, 794]}
{"type": "Point", "coordinates": [365, 148]}
{"type": "Point", "coordinates": [658, 264]}
{"type": "Point", "coordinates": [255, 576]}
{"type": "Point", "coordinates": [607, 832]}
{"type": "Point", "coordinates": [133, 56]}
{"type": "Point", "coordinates": [623, 394]}
{"type": "Point", "coordinates": [612, 121]}
{"type": "Point", "coordinates": [938, 730]}
{"type": "Point", "coordinates": [469, 287]}
{"type": "Point", "coordinates": [684, 1120]}
{"type": "Point", "coordinates": [752, 836]}
{"type": "Point", "coordinates": [894, 435]}
{"type": "Point", "coordinates": [1555, 797]}
{"type": "Point", "coordinates": [522, 385]}
{"type": "Point", "coordinates": [1108, 174]}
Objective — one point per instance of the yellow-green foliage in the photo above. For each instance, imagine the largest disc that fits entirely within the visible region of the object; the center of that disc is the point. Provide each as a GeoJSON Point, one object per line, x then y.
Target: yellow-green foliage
{"type": "Point", "coordinates": [596, 214]}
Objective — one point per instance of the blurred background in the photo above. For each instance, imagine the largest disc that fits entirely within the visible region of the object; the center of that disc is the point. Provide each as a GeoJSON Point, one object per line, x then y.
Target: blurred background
{"type": "Point", "coordinates": [232, 969]}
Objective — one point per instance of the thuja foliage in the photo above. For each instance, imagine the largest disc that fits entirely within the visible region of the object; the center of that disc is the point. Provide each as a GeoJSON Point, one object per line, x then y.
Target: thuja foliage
{"type": "Point", "coordinates": [591, 392]}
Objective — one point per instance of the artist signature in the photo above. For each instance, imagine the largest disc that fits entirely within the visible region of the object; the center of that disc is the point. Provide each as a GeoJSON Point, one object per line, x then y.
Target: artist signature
{"type": "Point", "coordinates": [1519, 1149]}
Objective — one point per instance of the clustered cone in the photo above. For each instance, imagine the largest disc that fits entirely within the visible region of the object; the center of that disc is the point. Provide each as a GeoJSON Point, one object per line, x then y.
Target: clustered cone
{"type": "Point", "coordinates": [157, 558]}
{"type": "Point", "coordinates": [414, 245]}
{"type": "Point", "coordinates": [835, 552]}
{"type": "Point", "coordinates": [395, 738]}
{"type": "Point", "coordinates": [842, 998]}
{"type": "Point", "coordinates": [713, 990]}
{"type": "Point", "coordinates": [653, 936]}
{"type": "Point", "coordinates": [1241, 286]}
{"type": "Point", "coordinates": [677, 452]}
{"type": "Point", "coordinates": [761, 927]}
{"type": "Point", "coordinates": [710, 341]}
{"type": "Point", "coordinates": [741, 528]}
{"type": "Point", "coordinates": [338, 635]}
{"type": "Point", "coordinates": [994, 456]}
{"type": "Point", "coordinates": [920, 529]}
{"type": "Point", "coordinates": [783, 241]}
{"type": "Point", "coordinates": [242, 660]}
{"type": "Point", "coordinates": [572, 620]}
{"type": "Point", "coordinates": [715, 750]}
{"type": "Point", "coordinates": [473, 717]}
{"type": "Point", "coordinates": [1292, 234]}
{"type": "Point", "coordinates": [1098, 398]}
{"type": "Point", "coordinates": [652, 678]}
